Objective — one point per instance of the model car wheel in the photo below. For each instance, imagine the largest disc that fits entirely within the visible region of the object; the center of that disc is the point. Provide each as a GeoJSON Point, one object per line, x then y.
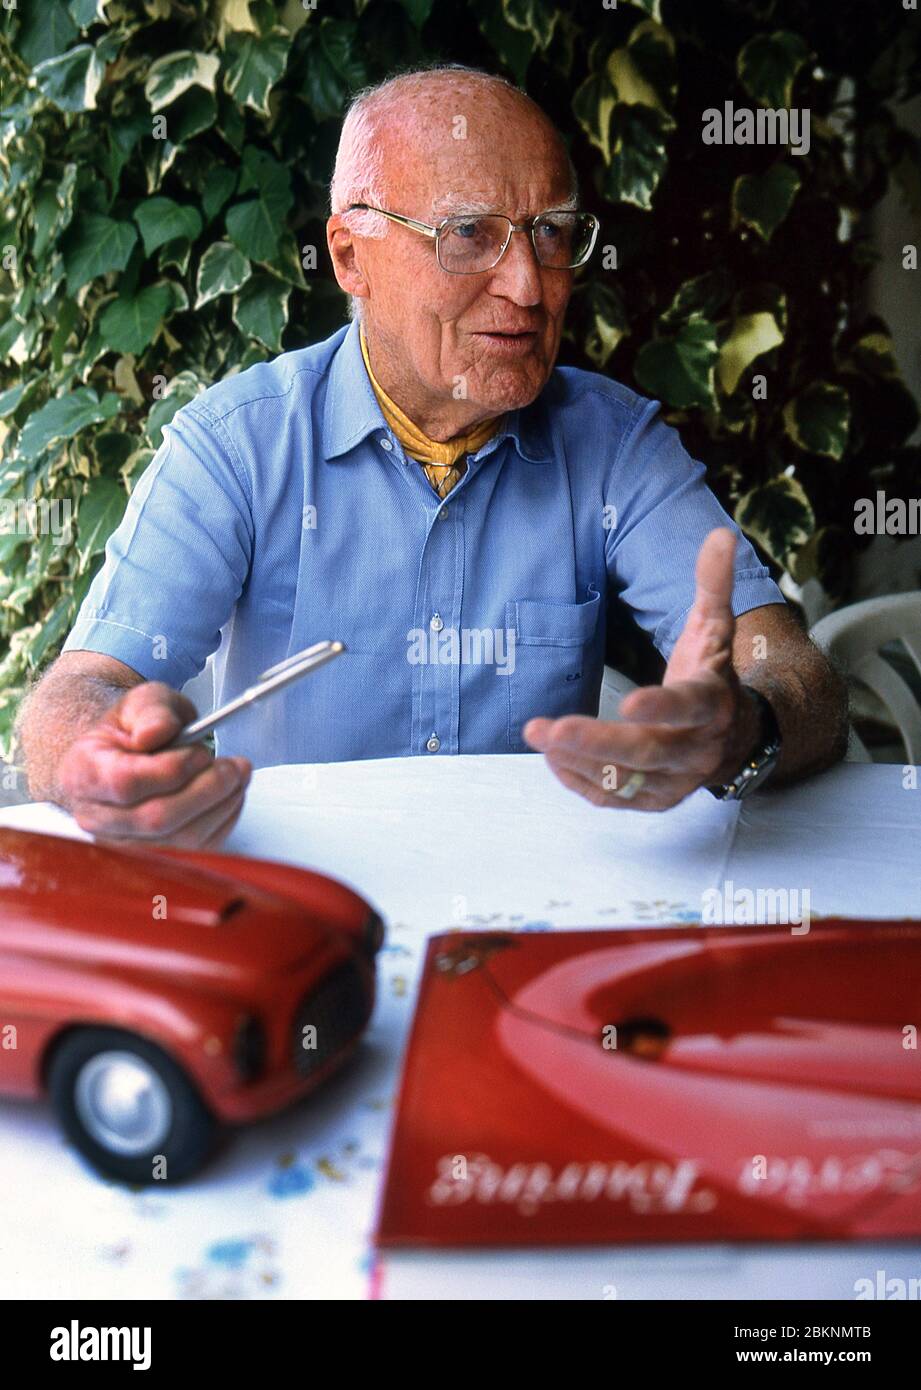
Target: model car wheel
{"type": "Point", "coordinates": [128, 1107]}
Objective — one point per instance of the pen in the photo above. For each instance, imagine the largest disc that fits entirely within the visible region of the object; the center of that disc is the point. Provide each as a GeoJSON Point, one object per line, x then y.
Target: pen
{"type": "Point", "coordinates": [282, 674]}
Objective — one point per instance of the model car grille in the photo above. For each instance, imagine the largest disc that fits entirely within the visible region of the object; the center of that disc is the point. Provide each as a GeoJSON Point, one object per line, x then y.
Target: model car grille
{"type": "Point", "coordinates": [329, 1017]}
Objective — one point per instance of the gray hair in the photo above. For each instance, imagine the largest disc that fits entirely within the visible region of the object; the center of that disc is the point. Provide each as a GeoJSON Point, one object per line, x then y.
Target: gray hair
{"type": "Point", "coordinates": [358, 176]}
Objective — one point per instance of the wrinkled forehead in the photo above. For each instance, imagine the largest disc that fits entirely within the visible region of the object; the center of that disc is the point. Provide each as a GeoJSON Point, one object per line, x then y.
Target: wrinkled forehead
{"type": "Point", "coordinates": [465, 154]}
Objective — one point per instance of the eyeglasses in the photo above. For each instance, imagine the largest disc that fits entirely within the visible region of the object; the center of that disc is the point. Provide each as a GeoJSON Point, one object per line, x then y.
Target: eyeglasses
{"type": "Point", "coordinates": [469, 243]}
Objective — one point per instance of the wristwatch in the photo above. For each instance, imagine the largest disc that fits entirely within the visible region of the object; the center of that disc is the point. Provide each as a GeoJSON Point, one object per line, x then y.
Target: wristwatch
{"type": "Point", "coordinates": [759, 766]}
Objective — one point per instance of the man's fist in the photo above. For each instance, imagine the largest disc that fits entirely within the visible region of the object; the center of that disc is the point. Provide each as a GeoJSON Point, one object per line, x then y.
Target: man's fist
{"type": "Point", "coordinates": [117, 786]}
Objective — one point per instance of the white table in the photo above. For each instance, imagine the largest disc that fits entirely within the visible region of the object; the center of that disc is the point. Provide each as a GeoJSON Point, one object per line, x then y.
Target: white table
{"type": "Point", "coordinates": [287, 1210]}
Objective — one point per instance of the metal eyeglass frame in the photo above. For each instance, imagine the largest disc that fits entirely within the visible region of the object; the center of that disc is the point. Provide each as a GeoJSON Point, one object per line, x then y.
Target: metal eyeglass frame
{"type": "Point", "coordinates": [527, 226]}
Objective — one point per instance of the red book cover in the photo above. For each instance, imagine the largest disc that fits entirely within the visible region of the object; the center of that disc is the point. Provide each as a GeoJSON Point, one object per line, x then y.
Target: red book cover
{"type": "Point", "coordinates": [578, 1088]}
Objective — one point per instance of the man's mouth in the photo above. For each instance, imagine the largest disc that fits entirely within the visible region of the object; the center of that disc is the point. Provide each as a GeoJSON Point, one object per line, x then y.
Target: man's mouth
{"type": "Point", "coordinates": [511, 342]}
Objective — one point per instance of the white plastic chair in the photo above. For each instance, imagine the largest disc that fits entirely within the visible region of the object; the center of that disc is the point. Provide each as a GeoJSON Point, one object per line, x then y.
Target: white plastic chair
{"type": "Point", "coordinates": [853, 637]}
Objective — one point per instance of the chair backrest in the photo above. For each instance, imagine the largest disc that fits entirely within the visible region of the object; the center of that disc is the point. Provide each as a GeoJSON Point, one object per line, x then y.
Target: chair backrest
{"type": "Point", "coordinates": [853, 637]}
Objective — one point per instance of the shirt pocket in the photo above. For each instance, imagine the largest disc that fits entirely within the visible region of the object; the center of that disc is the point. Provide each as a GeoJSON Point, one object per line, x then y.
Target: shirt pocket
{"type": "Point", "coordinates": [547, 676]}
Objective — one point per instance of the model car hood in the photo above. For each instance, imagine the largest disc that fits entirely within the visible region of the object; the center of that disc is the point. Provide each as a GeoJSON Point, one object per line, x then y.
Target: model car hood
{"type": "Point", "coordinates": [103, 905]}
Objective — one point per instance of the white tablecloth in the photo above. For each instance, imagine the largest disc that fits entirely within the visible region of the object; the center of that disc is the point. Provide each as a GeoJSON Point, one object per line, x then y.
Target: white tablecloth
{"type": "Point", "coordinates": [287, 1209]}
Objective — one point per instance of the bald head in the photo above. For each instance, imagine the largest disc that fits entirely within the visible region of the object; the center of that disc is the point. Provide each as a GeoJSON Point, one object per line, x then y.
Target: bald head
{"type": "Point", "coordinates": [419, 118]}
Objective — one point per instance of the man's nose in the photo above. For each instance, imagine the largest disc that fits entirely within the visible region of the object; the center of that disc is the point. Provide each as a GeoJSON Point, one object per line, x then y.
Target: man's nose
{"type": "Point", "coordinates": [517, 276]}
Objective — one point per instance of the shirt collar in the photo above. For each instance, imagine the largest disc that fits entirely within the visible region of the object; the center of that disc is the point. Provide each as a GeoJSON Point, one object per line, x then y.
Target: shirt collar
{"type": "Point", "coordinates": [352, 412]}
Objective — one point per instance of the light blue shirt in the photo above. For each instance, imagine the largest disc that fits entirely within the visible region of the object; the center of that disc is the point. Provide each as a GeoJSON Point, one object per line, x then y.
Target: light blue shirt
{"type": "Point", "coordinates": [280, 510]}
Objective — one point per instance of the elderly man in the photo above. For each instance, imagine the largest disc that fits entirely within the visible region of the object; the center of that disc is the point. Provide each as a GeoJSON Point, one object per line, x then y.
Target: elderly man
{"type": "Point", "coordinates": [427, 488]}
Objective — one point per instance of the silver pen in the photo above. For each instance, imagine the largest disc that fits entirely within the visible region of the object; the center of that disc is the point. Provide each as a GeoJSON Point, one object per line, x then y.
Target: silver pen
{"type": "Point", "coordinates": [291, 669]}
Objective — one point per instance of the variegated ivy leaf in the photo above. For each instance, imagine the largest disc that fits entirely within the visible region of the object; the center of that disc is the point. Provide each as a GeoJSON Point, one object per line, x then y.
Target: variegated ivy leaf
{"type": "Point", "coordinates": [638, 155]}
{"type": "Point", "coordinates": [818, 419]}
{"type": "Point", "coordinates": [768, 64]}
{"type": "Point", "coordinates": [752, 335]}
{"type": "Point", "coordinates": [233, 17]}
{"type": "Point", "coordinates": [223, 270]}
{"type": "Point", "coordinates": [254, 64]}
{"type": "Point", "coordinates": [260, 310]}
{"type": "Point", "coordinates": [63, 417]}
{"type": "Point", "coordinates": [87, 12]}
{"type": "Point", "coordinates": [592, 106]}
{"type": "Point", "coordinates": [762, 201]}
{"type": "Point", "coordinates": [175, 73]}
{"type": "Point", "coordinates": [180, 390]}
{"type": "Point", "coordinates": [643, 72]}
{"type": "Point", "coordinates": [535, 17]}
{"type": "Point", "coordinates": [678, 368]}
{"type": "Point", "coordinates": [777, 515]}
{"type": "Point", "coordinates": [608, 323]}
{"type": "Point", "coordinates": [72, 80]}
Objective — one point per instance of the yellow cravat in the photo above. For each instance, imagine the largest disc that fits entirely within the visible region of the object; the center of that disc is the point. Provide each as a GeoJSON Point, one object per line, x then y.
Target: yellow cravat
{"type": "Point", "coordinates": [443, 464]}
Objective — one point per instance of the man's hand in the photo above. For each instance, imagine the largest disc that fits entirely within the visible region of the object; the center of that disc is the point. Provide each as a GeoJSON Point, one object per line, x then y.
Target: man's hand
{"type": "Point", "coordinates": [117, 786]}
{"type": "Point", "coordinates": [694, 729]}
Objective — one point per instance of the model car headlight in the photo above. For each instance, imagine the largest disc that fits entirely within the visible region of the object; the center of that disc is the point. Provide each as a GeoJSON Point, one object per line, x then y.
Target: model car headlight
{"type": "Point", "coordinates": [249, 1048]}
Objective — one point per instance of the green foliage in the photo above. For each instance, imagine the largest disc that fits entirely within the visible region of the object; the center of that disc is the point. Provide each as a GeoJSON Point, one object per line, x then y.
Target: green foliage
{"type": "Point", "coordinates": [163, 168]}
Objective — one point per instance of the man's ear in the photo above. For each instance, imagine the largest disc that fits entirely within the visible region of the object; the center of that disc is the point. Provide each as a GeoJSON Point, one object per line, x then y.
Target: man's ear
{"type": "Point", "coordinates": [345, 263]}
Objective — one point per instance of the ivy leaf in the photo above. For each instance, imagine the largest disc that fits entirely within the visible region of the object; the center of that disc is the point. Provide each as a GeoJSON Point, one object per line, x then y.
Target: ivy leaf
{"type": "Point", "coordinates": [751, 336]}
{"type": "Point", "coordinates": [643, 72]}
{"type": "Point", "coordinates": [768, 64]}
{"type": "Point", "coordinates": [101, 509]}
{"type": "Point", "coordinates": [162, 220]}
{"type": "Point", "coordinates": [778, 516]}
{"type": "Point", "coordinates": [762, 201]}
{"type": "Point", "coordinates": [678, 369]}
{"type": "Point", "coordinates": [418, 10]}
{"type": "Point", "coordinates": [334, 67]}
{"type": "Point", "coordinates": [704, 295]}
{"type": "Point", "coordinates": [63, 417]}
{"type": "Point", "coordinates": [818, 419]}
{"type": "Point", "coordinates": [514, 47]}
{"type": "Point", "coordinates": [53, 209]}
{"type": "Point", "coordinates": [182, 389]}
{"type": "Point", "coordinates": [592, 106]}
{"type": "Point", "coordinates": [96, 245]}
{"type": "Point", "coordinates": [72, 80]}
{"type": "Point", "coordinates": [261, 310]}
{"type": "Point", "coordinates": [46, 31]}
{"type": "Point", "coordinates": [223, 270]}
{"type": "Point", "coordinates": [219, 184]}
{"type": "Point", "coordinates": [190, 114]}
{"type": "Point", "coordinates": [638, 158]}
{"type": "Point", "coordinates": [608, 323]}
{"type": "Point", "coordinates": [131, 324]}
{"type": "Point", "coordinates": [253, 65]}
{"type": "Point", "coordinates": [256, 226]}
{"type": "Point", "coordinates": [234, 17]}
{"type": "Point", "coordinates": [87, 12]}
{"type": "Point", "coordinates": [535, 17]}
{"type": "Point", "coordinates": [175, 73]}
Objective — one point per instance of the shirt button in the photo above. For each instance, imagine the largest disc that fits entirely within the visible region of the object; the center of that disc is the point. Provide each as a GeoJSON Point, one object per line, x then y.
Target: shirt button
{"type": "Point", "coordinates": [433, 744]}
{"type": "Point", "coordinates": [387, 444]}
{"type": "Point", "coordinates": [436, 623]}
{"type": "Point", "coordinates": [443, 514]}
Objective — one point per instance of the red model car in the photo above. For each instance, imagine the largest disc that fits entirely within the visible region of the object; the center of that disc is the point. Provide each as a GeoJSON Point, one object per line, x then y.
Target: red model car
{"type": "Point", "coordinates": [156, 994]}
